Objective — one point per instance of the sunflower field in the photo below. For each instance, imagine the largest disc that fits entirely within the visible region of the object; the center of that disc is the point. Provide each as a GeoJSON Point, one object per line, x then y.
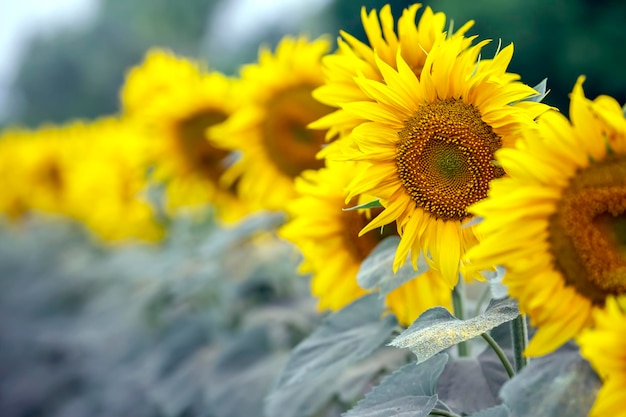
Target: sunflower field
{"type": "Point", "coordinates": [382, 216]}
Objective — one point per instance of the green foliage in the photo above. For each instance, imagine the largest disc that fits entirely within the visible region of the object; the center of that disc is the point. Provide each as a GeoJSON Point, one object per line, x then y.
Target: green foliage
{"type": "Point", "coordinates": [497, 411]}
{"type": "Point", "coordinates": [376, 271]}
{"type": "Point", "coordinates": [371, 204]}
{"type": "Point", "coordinates": [78, 73]}
{"type": "Point", "coordinates": [410, 392]}
{"type": "Point", "coordinates": [436, 329]}
{"type": "Point", "coordinates": [559, 384]}
{"type": "Point", "coordinates": [312, 372]}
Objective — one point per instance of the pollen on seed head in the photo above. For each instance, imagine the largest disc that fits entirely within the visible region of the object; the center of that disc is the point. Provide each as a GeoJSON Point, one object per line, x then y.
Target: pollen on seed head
{"type": "Point", "coordinates": [445, 158]}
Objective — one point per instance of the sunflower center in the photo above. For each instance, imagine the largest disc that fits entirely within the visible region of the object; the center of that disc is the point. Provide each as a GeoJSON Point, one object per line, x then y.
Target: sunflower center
{"type": "Point", "coordinates": [588, 230]}
{"type": "Point", "coordinates": [52, 176]}
{"type": "Point", "coordinates": [445, 158]}
{"type": "Point", "coordinates": [289, 144]}
{"type": "Point", "coordinates": [201, 157]}
{"type": "Point", "coordinates": [361, 246]}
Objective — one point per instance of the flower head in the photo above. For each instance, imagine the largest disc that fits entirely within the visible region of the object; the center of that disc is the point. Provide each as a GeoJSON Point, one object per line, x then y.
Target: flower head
{"type": "Point", "coordinates": [90, 171]}
{"type": "Point", "coordinates": [429, 139]}
{"type": "Point", "coordinates": [269, 129]}
{"type": "Point", "coordinates": [176, 100]}
{"type": "Point", "coordinates": [333, 251]}
{"type": "Point", "coordinates": [557, 223]}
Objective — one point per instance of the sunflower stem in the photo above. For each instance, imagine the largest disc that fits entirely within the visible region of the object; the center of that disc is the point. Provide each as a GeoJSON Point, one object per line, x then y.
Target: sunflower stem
{"type": "Point", "coordinates": [501, 355]}
{"type": "Point", "coordinates": [459, 313]}
{"type": "Point", "coordinates": [519, 331]}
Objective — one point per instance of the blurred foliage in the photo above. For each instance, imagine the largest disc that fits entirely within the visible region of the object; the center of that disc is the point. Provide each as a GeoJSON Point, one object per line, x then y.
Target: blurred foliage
{"type": "Point", "coordinates": [78, 72]}
{"type": "Point", "coordinates": [155, 331]}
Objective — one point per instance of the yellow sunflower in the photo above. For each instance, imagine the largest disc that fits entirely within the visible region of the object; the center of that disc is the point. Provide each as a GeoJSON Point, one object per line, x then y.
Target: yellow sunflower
{"type": "Point", "coordinates": [332, 251]}
{"type": "Point", "coordinates": [430, 141]}
{"type": "Point", "coordinates": [270, 128]}
{"type": "Point", "coordinates": [107, 180]}
{"type": "Point", "coordinates": [90, 171]}
{"type": "Point", "coordinates": [604, 347]}
{"type": "Point", "coordinates": [13, 198]}
{"type": "Point", "coordinates": [412, 41]}
{"type": "Point", "coordinates": [34, 165]}
{"type": "Point", "coordinates": [176, 100]}
{"type": "Point", "coordinates": [558, 223]}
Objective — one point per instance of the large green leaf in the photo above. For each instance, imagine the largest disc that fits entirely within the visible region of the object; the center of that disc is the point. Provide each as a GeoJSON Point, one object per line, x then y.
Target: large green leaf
{"type": "Point", "coordinates": [436, 329]}
{"type": "Point", "coordinates": [376, 272]}
{"type": "Point", "coordinates": [312, 372]}
{"type": "Point", "coordinates": [408, 392]}
{"type": "Point", "coordinates": [559, 384]}
{"type": "Point", "coordinates": [469, 385]}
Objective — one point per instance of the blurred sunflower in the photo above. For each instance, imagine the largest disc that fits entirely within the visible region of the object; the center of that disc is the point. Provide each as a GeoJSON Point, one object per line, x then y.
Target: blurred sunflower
{"type": "Point", "coordinates": [107, 180]}
{"type": "Point", "coordinates": [270, 128]}
{"type": "Point", "coordinates": [34, 166]}
{"type": "Point", "coordinates": [604, 347]}
{"type": "Point", "coordinates": [92, 172]}
{"type": "Point", "coordinates": [176, 100]}
{"type": "Point", "coordinates": [12, 202]}
{"type": "Point", "coordinates": [413, 42]}
{"type": "Point", "coordinates": [558, 223]}
{"type": "Point", "coordinates": [333, 252]}
{"type": "Point", "coordinates": [430, 142]}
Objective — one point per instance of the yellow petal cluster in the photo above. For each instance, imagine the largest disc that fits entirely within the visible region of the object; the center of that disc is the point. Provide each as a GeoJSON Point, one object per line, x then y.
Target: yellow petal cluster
{"type": "Point", "coordinates": [555, 222]}
{"type": "Point", "coordinates": [327, 236]}
{"type": "Point", "coordinates": [269, 129]}
{"type": "Point", "coordinates": [175, 101]}
{"type": "Point", "coordinates": [92, 172]}
{"type": "Point", "coordinates": [427, 126]}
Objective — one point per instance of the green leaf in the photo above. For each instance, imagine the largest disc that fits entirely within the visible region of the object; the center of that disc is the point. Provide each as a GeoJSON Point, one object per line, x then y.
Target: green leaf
{"type": "Point", "coordinates": [559, 384]}
{"type": "Point", "coordinates": [468, 385]}
{"type": "Point", "coordinates": [409, 392]}
{"type": "Point", "coordinates": [542, 88]}
{"type": "Point", "coordinates": [312, 372]}
{"type": "Point", "coordinates": [436, 329]}
{"type": "Point", "coordinates": [376, 271]}
{"type": "Point", "coordinates": [497, 411]}
{"type": "Point", "coordinates": [371, 204]}
{"type": "Point", "coordinates": [241, 376]}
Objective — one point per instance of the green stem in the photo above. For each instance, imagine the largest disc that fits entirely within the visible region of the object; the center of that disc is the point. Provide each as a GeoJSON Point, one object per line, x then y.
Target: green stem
{"type": "Point", "coordinates": [459, 313]}
{"type": "Point", "coordinates": [444, 413]}
{"type": "Point", "coordinates": [519, 332]}
{"type": "Point", "coordinates": [496, 348]}
{"type": "Point", "coordinates": [483, 297]}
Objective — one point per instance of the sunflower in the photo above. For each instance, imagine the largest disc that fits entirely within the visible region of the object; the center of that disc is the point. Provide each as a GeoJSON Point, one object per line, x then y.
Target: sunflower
{"type": "Point", "coordinates": [270, 128]}
{"type": "Point", "coordinates": [176, 100]}
{"type": "Point", "coordinates": [558, 223]}
{"type": "Point", "coordinates": [413, 42]}
{"type": "Point", "coordinates": [604, 347]}
{"type": "Point", "coordinates": [333, 252]}
{"type": "Point", "coordinates": [107, 180]}
{"type": "Point", "coordinates": [90, 171]}
{"type": "Point", "coordinates": [430, 141]}
{"type": "Point", "coordinates": [35, 165]}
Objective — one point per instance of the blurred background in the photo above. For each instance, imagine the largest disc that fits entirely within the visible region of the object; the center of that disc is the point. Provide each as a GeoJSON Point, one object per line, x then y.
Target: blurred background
{"type": "Point", "coordinates": [66, 59]}
{"type": "Point", "coordinates": [178, 330]}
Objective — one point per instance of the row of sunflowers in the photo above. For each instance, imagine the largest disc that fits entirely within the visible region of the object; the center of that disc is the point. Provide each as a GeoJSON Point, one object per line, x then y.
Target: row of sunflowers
{"type": "Point", "coordinates": [412, 133]}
